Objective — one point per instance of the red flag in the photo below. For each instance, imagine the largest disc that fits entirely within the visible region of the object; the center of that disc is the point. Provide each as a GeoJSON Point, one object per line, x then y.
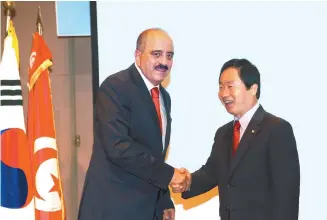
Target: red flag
{"type": "Point", "coordinates": [49, 200]}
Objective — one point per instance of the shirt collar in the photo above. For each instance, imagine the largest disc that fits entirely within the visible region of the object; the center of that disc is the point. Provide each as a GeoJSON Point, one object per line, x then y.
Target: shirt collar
{"type": "Point", "coordinates": [246, 118]}
{"type": "Point", "coordinates": [148, 84]}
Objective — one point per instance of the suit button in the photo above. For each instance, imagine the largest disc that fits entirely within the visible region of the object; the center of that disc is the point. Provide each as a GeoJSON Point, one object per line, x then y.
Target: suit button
{"type": "Point", "coordinates": [229, 186]}
{"type": "Point", "coordinates": [226, 208]}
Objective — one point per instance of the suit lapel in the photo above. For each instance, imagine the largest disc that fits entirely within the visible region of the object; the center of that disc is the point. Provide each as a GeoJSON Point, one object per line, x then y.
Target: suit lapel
{"type": "Point", "coordinates": [146, 98]}
{"type": "Point", "coordinates": [167, 107]}
{"type": "Point", "coordinates": [249, 134]}
{"type": "Point", "coordinates": [227, 149]}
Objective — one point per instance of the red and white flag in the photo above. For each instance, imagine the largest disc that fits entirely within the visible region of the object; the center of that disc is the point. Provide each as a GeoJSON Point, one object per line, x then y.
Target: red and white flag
{"type": "Point", "coordinates": [49, 200]}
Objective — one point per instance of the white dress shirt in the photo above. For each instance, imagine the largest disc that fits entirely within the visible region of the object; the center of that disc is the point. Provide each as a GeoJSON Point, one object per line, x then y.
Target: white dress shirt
{"type": "Point", "coordinates": [246, 118]}
{"type": "Point", "coordinates": [163, 113]}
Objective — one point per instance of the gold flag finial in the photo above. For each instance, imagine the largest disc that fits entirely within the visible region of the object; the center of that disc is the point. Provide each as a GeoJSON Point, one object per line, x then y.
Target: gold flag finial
{"type": "Point", "coordinates": [9, 11]}
{"type": "Point", "coordinates": [9, 8]}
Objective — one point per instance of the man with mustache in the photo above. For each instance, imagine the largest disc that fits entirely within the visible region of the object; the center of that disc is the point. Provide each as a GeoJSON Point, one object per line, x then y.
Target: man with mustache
{"type": "Point", "coordinates": [127, 177]}
{"type": "Point", "coordinates": [254, 159]}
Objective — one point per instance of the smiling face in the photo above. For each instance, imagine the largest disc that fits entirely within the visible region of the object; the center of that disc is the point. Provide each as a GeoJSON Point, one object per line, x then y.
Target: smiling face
{"type": "Point", "coordinates": [155, 56]}
{"type": "Point", "coordinates": [233, 93]}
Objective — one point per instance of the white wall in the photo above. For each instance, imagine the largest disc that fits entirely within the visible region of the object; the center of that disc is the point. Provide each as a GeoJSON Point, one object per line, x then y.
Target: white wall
{"type": "Point", "coordinates": [287, 41]}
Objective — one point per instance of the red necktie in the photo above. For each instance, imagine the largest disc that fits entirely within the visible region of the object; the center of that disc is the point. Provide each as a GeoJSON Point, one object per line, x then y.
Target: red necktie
{"type": "Point", "coordinates": [155, 98]}
{"type": "Point", "coordinates": [236, 136]}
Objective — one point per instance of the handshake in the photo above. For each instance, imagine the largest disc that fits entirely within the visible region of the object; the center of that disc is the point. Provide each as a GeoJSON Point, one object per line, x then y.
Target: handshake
{"type": "Point", "coordinates": [181, 180]}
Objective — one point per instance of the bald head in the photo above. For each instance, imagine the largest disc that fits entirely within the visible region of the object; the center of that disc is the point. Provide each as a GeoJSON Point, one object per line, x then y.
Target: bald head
{"type": "Point", "coordinates": [154, 54]}
{"type": "Point", "coordinates": [149, 33]}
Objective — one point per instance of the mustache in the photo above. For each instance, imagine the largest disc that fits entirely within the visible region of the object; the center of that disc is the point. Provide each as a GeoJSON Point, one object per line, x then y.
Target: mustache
{"type": "Point", "coordinates": [161, 66]}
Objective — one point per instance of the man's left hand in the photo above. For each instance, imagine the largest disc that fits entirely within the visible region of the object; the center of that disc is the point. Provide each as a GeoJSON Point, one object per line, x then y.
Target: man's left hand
{"type": "Point", "coordinates": [169, 214]}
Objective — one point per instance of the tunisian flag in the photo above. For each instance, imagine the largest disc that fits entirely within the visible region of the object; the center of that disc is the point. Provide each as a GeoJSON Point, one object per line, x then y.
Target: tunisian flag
{"type": "Point", "coordinates": [49, 200]}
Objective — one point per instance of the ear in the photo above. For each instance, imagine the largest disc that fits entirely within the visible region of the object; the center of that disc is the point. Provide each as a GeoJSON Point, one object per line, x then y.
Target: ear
{"type": "Point", "coordinates": [254, 89]}
{"type": "Point", "coordinates": [137, 55]}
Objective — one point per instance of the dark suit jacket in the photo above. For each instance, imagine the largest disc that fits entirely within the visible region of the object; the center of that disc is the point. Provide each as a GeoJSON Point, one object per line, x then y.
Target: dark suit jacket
{"type": "Point", "coordinates": [127, 177]}
{"type": "Point", "coordinates": [262, 181]}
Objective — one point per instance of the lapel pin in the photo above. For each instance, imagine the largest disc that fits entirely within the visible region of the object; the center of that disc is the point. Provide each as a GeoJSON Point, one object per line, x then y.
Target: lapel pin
{"type": "Point", "coordinates": [253, 131]}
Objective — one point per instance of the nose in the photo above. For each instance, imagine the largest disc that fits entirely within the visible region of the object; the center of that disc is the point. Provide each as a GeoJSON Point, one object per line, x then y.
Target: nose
{"type": "Point", "coordinates": [164, 60]}
{"type": "Point", "coordinates": [223, 92]}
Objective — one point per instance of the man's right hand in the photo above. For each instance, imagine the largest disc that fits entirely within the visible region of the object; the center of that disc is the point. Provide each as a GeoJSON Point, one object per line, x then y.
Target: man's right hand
{"type": "Point", "coordinates": [181, 180]}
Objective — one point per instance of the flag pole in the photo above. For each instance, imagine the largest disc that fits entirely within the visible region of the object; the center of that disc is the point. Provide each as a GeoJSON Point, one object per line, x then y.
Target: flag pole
{"type": "Point", "coordinates": [39, 24]}
{"type": "Point", "coordinates": [9, 11]}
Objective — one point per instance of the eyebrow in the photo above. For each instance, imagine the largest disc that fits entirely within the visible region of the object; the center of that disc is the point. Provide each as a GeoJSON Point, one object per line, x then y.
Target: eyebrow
{"type": "Point", "coordinates": [160, 51]}
{"type": "Point", "coordinates": [230, 81]}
